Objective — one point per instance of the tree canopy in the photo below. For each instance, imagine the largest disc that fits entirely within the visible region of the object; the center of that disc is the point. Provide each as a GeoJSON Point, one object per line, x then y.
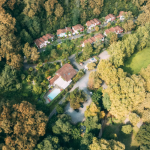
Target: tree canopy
{"type": "Point", "coordinates": [22, 124]}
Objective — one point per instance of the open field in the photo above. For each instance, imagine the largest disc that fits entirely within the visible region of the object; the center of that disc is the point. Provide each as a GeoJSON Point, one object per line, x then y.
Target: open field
{"type": "Point", "coordinates": [137, 61]}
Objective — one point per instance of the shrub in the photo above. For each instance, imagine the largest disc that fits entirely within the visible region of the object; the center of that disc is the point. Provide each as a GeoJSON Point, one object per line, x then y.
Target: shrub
{"type": "Point", "coordinates": [59, 109]}
{"type": "Point", "coordinates": [127, 129]}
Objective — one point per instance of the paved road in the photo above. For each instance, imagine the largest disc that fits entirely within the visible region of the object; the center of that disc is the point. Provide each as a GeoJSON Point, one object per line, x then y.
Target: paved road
{"type": "Point", "coordinates": [71, 58]}
{"type": "Point", "coordinates": [79, 116]}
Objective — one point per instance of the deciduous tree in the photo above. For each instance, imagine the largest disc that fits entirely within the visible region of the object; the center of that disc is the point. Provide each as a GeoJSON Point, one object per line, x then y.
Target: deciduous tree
{"type": "Point", "coordinates": [22, 124]}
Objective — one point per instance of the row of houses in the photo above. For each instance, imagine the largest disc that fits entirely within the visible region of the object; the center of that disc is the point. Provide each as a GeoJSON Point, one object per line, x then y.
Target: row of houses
{"type": "Point", "coordinates": [92, 40]}
{"type": "Point", "coordinates": [44, 40]}
{"type": "Point", "coordinates": [111, 17]}
{"type": "Point", "coordinates": [117, 30]}
{"type": "Point", "coordinates": [67, 31]}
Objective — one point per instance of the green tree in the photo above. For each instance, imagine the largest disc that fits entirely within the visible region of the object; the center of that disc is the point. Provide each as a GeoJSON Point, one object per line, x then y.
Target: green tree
{"type": "Point", "coordinates": [112, 37]}
{"type": "Point", "coordinates": [106, 101]}
{"type": "Point", "coordinates": [92, 125]}
{"type": "Point", "coordinates": [127, 129]}
{"type": "Point", "coordinates": [53, 53]}
{"type": "Point", "coordinates": [26, 37]}
{"type": "Point", "coordinates": [20, 123]}
{"type": "Point", "coordinates": [76, 97]}
{"type": "Point", "coordinates": [91, 66]}
{"type": "Point", "coordinates": [103, 144]}
{"type": "Point", "coordinates": [87, 50]}
{"type": "Point", "coordinates": [143, 136]}
{"type": "Point", "coordinates": [37, 89]}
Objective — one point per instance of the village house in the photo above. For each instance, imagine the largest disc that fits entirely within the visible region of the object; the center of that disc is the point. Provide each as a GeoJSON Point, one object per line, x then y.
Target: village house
{"type": "Point", "coordinates": [92, 40]}
{"type": "Point", "coordinates": [92, 23]}
{"type": "Point", "coordinates": [63, 76]}
{"type": "Point", "coordinates": [63, 32]}
{"type": "Point", "coordinates": [77, 28]}
{"type": "Point", "coordinates": [44, 40]}
{"type": "Point", "coordinates": [110, 18]}
{"type": "Point", "coordinates": [122, 15]}
{"type": "Point", "coordinates": [117, 30]}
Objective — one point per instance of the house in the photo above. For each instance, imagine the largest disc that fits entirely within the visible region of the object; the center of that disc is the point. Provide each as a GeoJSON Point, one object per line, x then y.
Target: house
{"type": "Point", "coordinates": [122, 15]}
{"type": "Point", "coordinates": [117, 30]}
{"type": "Point", "coordinates": [92, 40]}
{"type": "Point", "coordinates": [99, 37]}
{"type": "Point", "coordinates": [77, 28]}
{"type": "Point", "coordinates": [92, 23]}
{"type": "Point", "coordinates": [63, 76]}
{"type": "Point", "coordinates": [63, 32]}
{"type": "Point", "coordinates": [110, 18]}
{"type": "Point", "coordinates": [44, 40]}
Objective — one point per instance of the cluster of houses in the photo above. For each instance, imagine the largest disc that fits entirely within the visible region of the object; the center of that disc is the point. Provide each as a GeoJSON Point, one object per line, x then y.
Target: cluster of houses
{"type": "Point", "coordinates": [67, 31]}
{"type": "Point", "coordinates": [117, 30]}
{"type": "Point", "coordinates": [94, 39]}
{"type": "Point", "coordinates": [44, 40]}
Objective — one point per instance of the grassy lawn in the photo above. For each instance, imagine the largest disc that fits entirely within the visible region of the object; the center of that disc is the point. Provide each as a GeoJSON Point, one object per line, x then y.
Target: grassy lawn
{"type": "Point", "coordinates": [128, 140]}
{"type": "Point", "coordinates": [137, 61]}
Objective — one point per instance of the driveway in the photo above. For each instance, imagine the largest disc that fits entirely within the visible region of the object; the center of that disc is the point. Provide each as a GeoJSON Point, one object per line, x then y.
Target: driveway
{"type": "Point", "coordinates": [104, 55]}
{"type": "Point", "coordinates": [79, 116]}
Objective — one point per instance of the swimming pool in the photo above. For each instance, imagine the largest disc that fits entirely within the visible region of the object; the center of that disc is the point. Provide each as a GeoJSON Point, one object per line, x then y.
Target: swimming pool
{"type": "Point", "coordinates": [54, 93]}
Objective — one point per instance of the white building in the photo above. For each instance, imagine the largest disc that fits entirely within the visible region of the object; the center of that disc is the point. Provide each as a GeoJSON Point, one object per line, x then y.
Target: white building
{"type": "Point", "coordinates": [43, 41]}
{"type": "Point", "coordinates": [77, 28]}
{"type": "Point", "coordinates": [92, 23]}
{"type": "Point", "coordinates": [63, 32]}
{"type": "Point", "coordinates": [63, 76]}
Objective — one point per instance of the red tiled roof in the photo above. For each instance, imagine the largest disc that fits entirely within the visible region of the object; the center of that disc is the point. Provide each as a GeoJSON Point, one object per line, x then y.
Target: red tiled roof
{"type": "Point", "coordinates": [45, 37]}
{"type": "Point", "coordinates": [99, 36]}
{"type": "Point", "coordinates": [89, 23]}
{"type": "Point", "coordinates": [93, 39]}
{"type": "Point", "coordinates": [121, 13]}
{"type": "Point", "coordinates": [109, 16]}
{"type": "Point", "coordinates": [48, 77]}
{"type": "Point", "coordinates": [67, 72]}
{"type": "Point", "coordinates": [78, 27]}
{"type": "Point", "coordinates": [118, 28]}
{"type": "Point", "coordinates": [96, 20]}
{"type": "Point", "coordinates": [42, 39]}
{"type": "Point", "coordinates": [37, 42]}
{"type": "Point", "coordinates": [69, 29]}
{"type": "Point", "coordinates": [49, 36]}
{"type": "Point", "coordinates": [59, 31]}
{"type": "Point", "coordinates": [114, 29]}
{"type": "Point", "coordinates": [110, 30]}
{"type": "Point", "coordinates": [53, 79]}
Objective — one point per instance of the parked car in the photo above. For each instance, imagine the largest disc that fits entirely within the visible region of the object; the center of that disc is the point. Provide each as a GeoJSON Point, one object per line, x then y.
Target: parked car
{"type": "Point", "coordinates": [77, 110]}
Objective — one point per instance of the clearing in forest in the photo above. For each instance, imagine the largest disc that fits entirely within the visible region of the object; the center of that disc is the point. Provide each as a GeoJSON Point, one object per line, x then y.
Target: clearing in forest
{"type": "Point", "coordinates": [137, 61]}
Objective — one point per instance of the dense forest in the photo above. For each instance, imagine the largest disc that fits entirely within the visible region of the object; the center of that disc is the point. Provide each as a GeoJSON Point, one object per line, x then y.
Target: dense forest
{"type": "Point", "coordinates": [24, 120]}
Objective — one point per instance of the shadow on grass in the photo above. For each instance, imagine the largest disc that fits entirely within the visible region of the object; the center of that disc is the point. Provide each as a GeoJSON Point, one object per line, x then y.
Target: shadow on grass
{"type": "Point", "coordinates": [113, 131]}
{"type": "Point", "coordinates": [127, 63]}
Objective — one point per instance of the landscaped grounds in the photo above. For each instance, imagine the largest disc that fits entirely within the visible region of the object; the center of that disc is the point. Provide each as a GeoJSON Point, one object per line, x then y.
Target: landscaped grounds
{"type": "Point", "coordinates": [137, 61]}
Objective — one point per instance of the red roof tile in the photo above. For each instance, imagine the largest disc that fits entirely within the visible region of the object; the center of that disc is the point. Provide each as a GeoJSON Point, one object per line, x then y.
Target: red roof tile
{"type": "Point", "coordinates": [99, 36]}
{"type": "Point", "coordinates": [109, 16]}
{"type": "Point", "coordinates": [52, 80]}
{"type": "Point", "coordinates": [121, 13]}
{"type": "Point", "coordinates": [96, 20]}
{"type": "Point", "coordinates": [67, 72]}
{"type": "Point", "coordinates": [78, 27]}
